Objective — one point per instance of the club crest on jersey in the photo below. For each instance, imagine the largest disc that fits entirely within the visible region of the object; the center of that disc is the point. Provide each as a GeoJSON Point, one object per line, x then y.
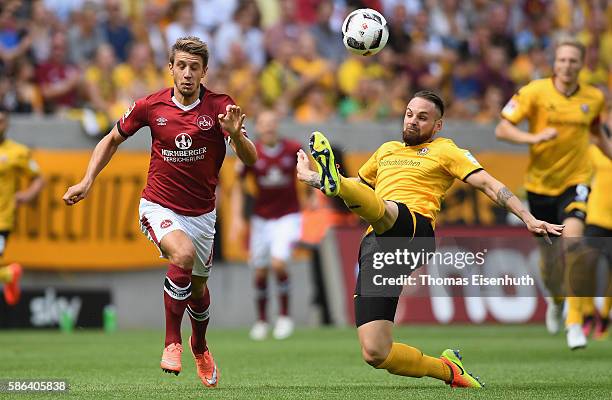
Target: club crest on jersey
{"type": "Point", "coordinates": [165, 224]}
{"type": "Point", "coordinates": [205, 122]}
{"type": "Point", "coordinates": [183, 141]}
{"type": "Point", "coordinates": [584, 108]}
{"type": "Point", "coordinates": [161, 121]}
{"type": "Point", "coordinates": [423, 151]}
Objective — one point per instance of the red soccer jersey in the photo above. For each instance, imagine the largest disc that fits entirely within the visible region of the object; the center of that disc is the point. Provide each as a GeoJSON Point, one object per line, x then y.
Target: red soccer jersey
{"type": "Point", "coordinates": [187, 150]}
{"type": "Point", "coordinates": [275, 179]}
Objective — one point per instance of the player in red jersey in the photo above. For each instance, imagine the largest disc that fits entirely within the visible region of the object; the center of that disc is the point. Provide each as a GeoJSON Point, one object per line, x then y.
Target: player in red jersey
{"type": "Point", "coordinates": [276, 222]}
{"type": "Point", "coordinates": [189, 127]}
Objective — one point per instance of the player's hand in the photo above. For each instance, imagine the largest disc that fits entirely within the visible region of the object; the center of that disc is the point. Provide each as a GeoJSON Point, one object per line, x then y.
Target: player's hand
{"type": "Point", "coordinates": [542, 228]}
{"type": "Point", "coordinates": [545, 135]}
{"type": "Point", "coordinates": [76, 193]}
{"type": "Point", "coordinates": [232, 120]}
{"type": "Point", "coordinates": [304, 173]}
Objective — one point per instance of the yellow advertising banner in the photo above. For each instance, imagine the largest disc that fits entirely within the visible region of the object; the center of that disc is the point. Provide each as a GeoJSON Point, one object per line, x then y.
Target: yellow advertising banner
{"type": "Point", "coordinates": [102, 232]}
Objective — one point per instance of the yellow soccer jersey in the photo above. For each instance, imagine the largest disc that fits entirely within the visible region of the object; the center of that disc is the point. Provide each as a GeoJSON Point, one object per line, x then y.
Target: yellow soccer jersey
{"type": "Point", "coordinates": [417, 176]}
{"type": "Point", "coordinates": [15, 161]}
{"type": "Point", "coordinates": [599, 208]}
{"type": "Point", "coordinates": [562, 162]}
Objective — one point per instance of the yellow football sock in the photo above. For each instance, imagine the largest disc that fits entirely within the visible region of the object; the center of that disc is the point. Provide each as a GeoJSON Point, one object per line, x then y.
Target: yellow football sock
{"type": "Point", "coordinates": [574, 311]}
{"type": "Point", "coordinates": [607, 306]}
{"type": "Point", "coordinates": [588, 306]}
{"type": "Point", "coordinates": [408, 361]}
{"type": "Point", "coordinates": [361, 200]}
{"type": "Point", "coordinates": [6, 275]}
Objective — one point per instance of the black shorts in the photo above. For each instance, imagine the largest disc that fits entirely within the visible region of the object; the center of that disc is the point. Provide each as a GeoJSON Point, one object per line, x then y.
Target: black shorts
{"type": "Point", "coordinates": [600, 238]}
{"type": "Point", "coordinates": [3, 239]}
{"type": "Point", "coordinates": [555, 209]}
{"type": "Point", "coordinates": [407, 226]}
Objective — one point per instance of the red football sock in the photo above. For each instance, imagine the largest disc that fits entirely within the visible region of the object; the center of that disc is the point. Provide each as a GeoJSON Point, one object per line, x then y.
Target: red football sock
{"type": "Point", "coordinates": [177, 290]}
{"type": "Point", "coordinates": [197, 309]}
{"type": "Point", "coordinates": [261, 297]}
{"type": "Point", "coordinates": [282, 279]}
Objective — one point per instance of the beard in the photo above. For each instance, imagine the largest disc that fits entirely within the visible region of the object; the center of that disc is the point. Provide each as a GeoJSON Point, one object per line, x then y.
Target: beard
{"type": "Point", "coordinates": [415, 137]}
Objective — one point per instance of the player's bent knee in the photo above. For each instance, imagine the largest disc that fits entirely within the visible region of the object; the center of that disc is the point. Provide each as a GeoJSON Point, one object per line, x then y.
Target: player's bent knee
{"type": "Point", "coordinates": [373, 354]}
{"type": "Point", "coordinates": [184, 257]}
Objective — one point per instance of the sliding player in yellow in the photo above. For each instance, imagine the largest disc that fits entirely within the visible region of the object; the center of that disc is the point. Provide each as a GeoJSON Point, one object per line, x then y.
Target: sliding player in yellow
{"type": "Point", "coordinates": [562, 116]}
{"type": "Point", "coordinates": [15, 162]}
{"type": "Point", "coordinates": [399, 192]}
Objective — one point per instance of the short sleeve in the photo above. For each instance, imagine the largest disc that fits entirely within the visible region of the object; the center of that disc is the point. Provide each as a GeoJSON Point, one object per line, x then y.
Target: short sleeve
{"type": "Point", "coordinates": [460, 163]}
{"type": "Point", "coordinates": [134, 118]}
{"type": "Point", "coordinates": [27, 164]}
{"type": "Point", "coordinates": [369, 170]}
{"type": "Point", "coordinates": [520, 105]}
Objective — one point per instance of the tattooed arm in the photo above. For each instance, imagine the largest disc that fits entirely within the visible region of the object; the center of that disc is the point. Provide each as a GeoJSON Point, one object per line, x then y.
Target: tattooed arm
{"type": "Point", "coordinates": [500, 194]}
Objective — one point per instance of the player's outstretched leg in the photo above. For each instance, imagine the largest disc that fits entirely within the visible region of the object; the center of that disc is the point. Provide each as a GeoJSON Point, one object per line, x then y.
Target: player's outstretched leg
{"type": "Point", "coordinates": [11, 276]}
{"type": "Point", "coordinates": [460, 377]}
{"type": "Point", "coordinates": [359, 198]}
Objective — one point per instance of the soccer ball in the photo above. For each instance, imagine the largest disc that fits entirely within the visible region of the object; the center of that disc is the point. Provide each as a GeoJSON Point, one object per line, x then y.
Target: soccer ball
{"type": "Point", "coordinates": [365, 32]}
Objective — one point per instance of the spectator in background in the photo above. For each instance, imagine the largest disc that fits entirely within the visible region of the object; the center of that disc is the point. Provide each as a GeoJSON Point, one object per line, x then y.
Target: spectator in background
{"type": "Point", "coordinates": [21, 94]}
{"type": "Point", "coordinates": [14, 40]}
{"type": "Point", "coordinates": [530, 66]}
{"type": "Point", "coordinates": [537, 33]}
{"type": "Point", "coordinates": [241, 78]}
{"type": "Point", "coordinates": [399, 29]}
{"type": "Point", "coordinates": [63, 9]}
{"type": "Point", "coordinates": [210, 14]}
{"type": "Point", "coordinates": [285, 29]}
{"type": "Point", "coordinates": [279, 83]}
{"type": "Point", "coordinates": [138, 76]}
{"type": "Point", "coordinates": [315, 108]}
{"type": "Point", "coordinates": [465, 88]}
{"type": "Point", "coordinates": [490, 106]}
{"type": "Point", "coordinates": [311, 67]}
{"type": "Point", "coordinates": [183, 24]}
{"type": "Point", "coordinates": [242, 31]}
{"type": "Point", "coordinates": [328, 41]}
{"type": "Point", "coordinates": [412, 7]}
{"type": "Point", "coordinates": [449, 22]}
{"type": "Point", "coordinates": [41, 28]}
{"type": "Point", "coordinates": [59, 81]}
{"type": "Point", "coordinates": [594, 73]}
{"type": "Point", "coordinates": [117, 29]}
{"type": "Point", "coordinates": [368, 103]}
{"type": "Point", "coordinates": [153, 15]}
{"type": "Point", "coordinates": [353, 69]}
{"type": "Point", "coordinates": [102, 92]}
{"type": "Point", "coordinates": [85, 36]}
{"type": "Point", "coordinates": [498, 20]}
{"type": "Point", "coordinates": [494, 71]}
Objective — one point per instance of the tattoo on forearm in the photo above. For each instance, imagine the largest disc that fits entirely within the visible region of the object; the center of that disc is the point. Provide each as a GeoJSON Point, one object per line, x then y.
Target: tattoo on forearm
{"type": "Point", "coordinates": [503, 195]}
{"type": "Point", "coordinates": [314, 180]}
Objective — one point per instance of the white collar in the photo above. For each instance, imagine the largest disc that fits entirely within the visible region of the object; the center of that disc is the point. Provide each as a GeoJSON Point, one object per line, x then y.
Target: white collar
{"type": "Point", "coordinates": [188, 107]}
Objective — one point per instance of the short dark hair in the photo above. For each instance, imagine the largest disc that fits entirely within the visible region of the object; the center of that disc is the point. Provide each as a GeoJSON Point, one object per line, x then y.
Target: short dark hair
{"type": "Point", "coordinates": [433, 97]}
{"type": "Point", "coordinates": [192, 45]}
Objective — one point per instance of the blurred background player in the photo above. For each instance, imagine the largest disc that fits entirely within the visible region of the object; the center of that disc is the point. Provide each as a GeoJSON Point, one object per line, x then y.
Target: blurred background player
{"type": "Point", "coordinates": [403, 203]}
{"type": "Point", "coordinates": [189, 127]}
{"type": "Point", "coordinates": [276, 222]}
{"type": "Point", "coordinates": [598, 234]}
{"type": "Point", "coordinates": [15, 163]}
{"type": "Point", "coordinates": [563, 115]}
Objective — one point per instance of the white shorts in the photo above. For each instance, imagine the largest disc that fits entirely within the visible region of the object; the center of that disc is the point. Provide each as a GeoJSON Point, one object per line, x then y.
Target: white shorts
{"type": "Point", "coordinates": [157, 221]}
{"type": "Point", "coordinates": [273, 238]}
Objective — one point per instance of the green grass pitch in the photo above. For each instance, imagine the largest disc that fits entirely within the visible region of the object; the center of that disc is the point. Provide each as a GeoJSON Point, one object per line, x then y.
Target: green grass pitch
{"type": "Point", "coordinates": [520, 362]}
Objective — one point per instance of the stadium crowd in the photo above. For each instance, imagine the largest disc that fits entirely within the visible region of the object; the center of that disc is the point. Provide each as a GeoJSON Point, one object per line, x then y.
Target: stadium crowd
{"type": "Point", "coordinates": [90, 60]}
